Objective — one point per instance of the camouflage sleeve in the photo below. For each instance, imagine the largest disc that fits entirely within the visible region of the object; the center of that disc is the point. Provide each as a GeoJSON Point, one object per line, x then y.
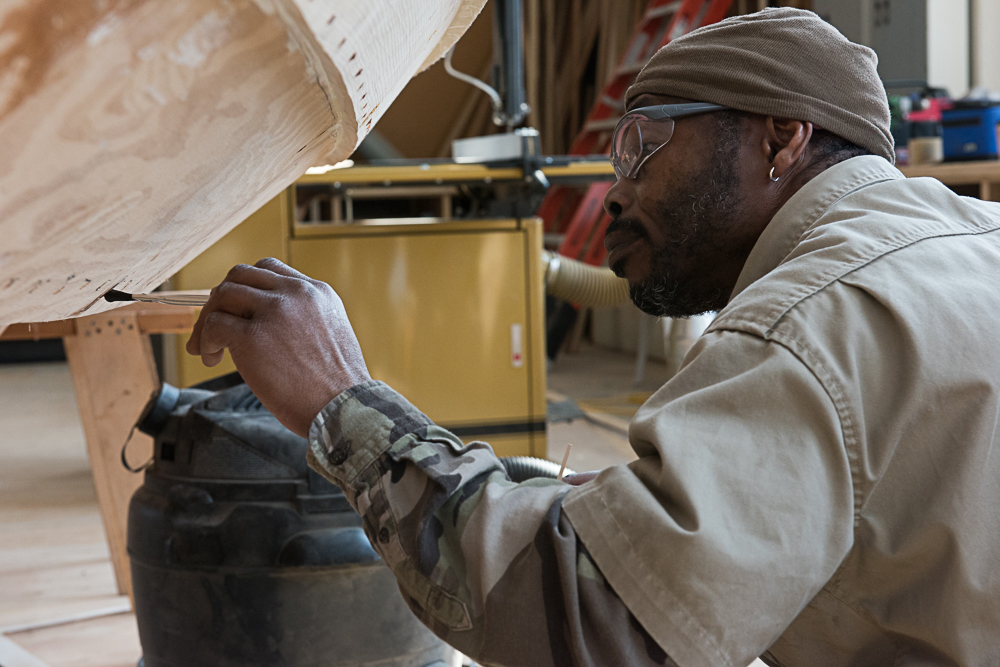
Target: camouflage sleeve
{"type": "Point", "coordinates": [492, 567]}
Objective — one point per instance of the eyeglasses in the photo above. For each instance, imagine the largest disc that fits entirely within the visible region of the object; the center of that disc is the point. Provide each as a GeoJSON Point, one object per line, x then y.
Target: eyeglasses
{"type": "Point", "coordinates": [641, 132]}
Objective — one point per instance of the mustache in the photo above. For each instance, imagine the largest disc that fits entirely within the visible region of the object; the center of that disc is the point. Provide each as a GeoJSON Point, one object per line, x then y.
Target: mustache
{"type": "Point", "coordinates": [627, 225]}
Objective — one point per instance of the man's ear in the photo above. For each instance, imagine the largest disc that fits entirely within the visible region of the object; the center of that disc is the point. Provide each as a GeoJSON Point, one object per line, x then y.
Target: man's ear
{"type": "Point", "coordinates": [787, 140]}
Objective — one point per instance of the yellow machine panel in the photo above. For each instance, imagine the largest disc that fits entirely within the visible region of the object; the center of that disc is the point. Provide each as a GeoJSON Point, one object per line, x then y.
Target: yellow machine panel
{"type": "Point", "coordinates": [448, 314]}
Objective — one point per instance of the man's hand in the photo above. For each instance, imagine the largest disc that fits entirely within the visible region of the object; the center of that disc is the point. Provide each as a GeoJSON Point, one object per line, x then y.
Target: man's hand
{"type": "Point", "coordinates": [288, 335]}
{"type": "Point", "coordinates": [578, 478]}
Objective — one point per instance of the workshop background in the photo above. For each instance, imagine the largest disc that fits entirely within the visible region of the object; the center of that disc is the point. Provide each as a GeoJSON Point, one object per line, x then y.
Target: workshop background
{"type": "Point", "coordinates": [472, 268]}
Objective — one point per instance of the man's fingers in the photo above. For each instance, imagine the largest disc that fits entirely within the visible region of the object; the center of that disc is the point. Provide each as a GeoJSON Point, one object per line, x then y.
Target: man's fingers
{"type": "Point", "coordinates": [193, 346]}
{"type": "Point", "coordinates": [229, 297]}
{"type": "Point", "coordinates": [254, 276]}
{"type": "Point", "coordinates": [214, 359]}
{"type": "Point", "coordinates": [244, 291]}
{"type": "Point", "coordinates": [236, 299]}
{"type": "Point", "coordinates": [220, 331]}
{"type": "Point", "coordinates": [282, 269]}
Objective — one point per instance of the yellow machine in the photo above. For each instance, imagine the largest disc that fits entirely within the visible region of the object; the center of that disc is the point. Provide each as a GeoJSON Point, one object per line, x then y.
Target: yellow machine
{"type": "Point", "coordinates": [451, 314]}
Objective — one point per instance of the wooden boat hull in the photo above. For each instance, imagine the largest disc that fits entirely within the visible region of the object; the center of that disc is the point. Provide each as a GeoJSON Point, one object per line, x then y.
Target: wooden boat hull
{"type": "Point", "coordinates": [135, 134]}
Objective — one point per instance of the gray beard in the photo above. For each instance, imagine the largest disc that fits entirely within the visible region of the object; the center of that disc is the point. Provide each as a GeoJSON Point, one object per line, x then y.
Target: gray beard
{"type": "Point", "coordinates": [660, 296]}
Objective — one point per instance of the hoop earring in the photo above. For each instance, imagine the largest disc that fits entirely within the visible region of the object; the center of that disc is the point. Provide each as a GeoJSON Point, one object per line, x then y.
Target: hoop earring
{"type": "Point", "coordinates": [771, 176]}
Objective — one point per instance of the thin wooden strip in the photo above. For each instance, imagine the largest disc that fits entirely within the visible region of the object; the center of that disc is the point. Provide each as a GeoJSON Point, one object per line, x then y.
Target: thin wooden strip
{"type": "Point", "coordinates": [123, 608]}
{"type": "Point", "coordinates": [154, 318]}
{"type": "Point", "coordinates": [12, 655]}
{"type": "Point", "coordinates": [39, 330]}
{"type": "Point", "coordinates": [151, 318]}
{"type": "Point", "coordinates": [562, 468]}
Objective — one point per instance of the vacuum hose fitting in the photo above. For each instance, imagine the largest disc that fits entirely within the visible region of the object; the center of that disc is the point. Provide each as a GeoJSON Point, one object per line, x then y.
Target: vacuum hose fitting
{"type": "Point", "coordinates": [581, 283]}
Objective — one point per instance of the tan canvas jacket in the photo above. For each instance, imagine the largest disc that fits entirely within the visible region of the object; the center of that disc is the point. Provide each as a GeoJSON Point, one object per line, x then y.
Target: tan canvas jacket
{"type": "Point", "coordinates": [818, 483]}
{"type": "Point", "coordinates": [823, 476]}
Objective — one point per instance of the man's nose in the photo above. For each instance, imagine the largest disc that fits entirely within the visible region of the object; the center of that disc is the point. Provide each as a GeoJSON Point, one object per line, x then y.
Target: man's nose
{"type": "Point", "coordinates": [617, 198]}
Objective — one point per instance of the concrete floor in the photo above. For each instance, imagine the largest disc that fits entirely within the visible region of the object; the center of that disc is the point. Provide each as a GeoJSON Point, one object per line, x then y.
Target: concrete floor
{"type": "Point", "coordinates": [600, 381]}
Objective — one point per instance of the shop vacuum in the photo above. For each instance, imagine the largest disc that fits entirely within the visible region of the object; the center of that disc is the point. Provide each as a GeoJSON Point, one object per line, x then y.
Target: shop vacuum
{"type": "Point", "coordinates": [242, 556]}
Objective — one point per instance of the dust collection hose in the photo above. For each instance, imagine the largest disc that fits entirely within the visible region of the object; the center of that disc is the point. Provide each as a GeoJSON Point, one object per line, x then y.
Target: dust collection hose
{"type": "Point", "coordinates": [581, 283]}
{"type": "Point", "coordinates": [522, 468]}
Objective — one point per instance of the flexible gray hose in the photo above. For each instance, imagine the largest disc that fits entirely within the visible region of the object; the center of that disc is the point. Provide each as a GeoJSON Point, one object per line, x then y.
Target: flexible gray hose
{"type": "Point", "coordinates": [581, 283]}
{"type": "Point", "coordinates": [522, 468]}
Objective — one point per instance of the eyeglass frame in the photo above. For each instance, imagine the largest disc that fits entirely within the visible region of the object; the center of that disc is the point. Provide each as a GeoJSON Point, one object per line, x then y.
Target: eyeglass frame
{"type": "Point", "coordinates": [654, 113]}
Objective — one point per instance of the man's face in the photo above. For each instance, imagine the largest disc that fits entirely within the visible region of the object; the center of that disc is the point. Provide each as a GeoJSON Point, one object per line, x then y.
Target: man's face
{"type": "Point", "coordinates": [678, 235]}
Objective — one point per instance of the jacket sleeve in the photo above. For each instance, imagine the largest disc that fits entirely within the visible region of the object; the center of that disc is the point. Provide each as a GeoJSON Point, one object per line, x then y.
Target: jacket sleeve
{"type": "Point", "coordinates": [492, 567]}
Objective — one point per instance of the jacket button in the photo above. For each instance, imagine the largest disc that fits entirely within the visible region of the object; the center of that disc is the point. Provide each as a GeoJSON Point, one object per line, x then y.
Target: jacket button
{"type": "Point", "coordinates": [339, 454]}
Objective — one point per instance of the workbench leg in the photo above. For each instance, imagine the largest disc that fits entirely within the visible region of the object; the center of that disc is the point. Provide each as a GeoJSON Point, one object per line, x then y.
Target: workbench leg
{"type": "Point", "coordinates": [114, 374]}
{"type": "Point", "coordinates": [989, 191]}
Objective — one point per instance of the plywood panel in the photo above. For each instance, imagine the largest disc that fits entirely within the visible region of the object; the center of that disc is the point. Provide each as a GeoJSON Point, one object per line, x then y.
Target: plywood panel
{"type": "Point", "coordinates": [135, 134]}
{"type": "Point", "coordinates": [139, 135]}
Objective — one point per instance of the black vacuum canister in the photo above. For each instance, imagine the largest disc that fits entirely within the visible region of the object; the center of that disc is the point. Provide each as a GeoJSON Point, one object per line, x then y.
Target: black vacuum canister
{"type": "Point", "coordinates": [242, 556]}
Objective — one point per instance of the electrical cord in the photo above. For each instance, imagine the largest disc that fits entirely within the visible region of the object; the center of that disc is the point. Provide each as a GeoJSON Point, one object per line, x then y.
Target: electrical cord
{"type": "Point", "coordinates": [481, 85]}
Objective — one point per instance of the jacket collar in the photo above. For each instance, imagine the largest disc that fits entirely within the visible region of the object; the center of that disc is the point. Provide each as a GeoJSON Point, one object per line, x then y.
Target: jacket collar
{"type": "Point", "coordinates": [805, 207]}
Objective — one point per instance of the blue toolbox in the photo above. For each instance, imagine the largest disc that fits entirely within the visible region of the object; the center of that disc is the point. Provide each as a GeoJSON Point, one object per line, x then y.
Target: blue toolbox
{"type": "Point", "coordinates": [969, 131]}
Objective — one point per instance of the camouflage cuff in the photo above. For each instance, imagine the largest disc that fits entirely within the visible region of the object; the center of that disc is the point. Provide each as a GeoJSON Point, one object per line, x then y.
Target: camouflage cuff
{"type": "Point", "coordinates": [358, 426]}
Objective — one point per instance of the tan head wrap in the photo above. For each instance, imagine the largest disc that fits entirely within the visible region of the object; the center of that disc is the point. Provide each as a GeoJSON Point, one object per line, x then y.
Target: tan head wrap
{"type": "Point", "coordinates": [781, 62]}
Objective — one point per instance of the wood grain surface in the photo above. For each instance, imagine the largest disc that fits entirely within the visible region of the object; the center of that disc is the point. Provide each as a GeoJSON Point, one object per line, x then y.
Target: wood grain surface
{"type": "Point", "coordinates": [135, 134]}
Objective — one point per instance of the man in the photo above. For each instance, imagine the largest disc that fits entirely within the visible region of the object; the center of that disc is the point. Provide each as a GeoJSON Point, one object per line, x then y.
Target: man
{"type": "Point", "coordinates": [817, 484]}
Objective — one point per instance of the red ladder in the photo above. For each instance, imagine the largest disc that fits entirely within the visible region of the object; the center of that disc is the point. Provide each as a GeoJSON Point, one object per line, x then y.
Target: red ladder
{"type": "Point", "coordinates": [582, 215]}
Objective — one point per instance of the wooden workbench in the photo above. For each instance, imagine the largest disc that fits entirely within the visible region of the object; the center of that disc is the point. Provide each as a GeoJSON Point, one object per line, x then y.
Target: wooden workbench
{"type": "Point", "coordinates": [111, 363]}
{"type": "Point", "coordinates": [984, 174]}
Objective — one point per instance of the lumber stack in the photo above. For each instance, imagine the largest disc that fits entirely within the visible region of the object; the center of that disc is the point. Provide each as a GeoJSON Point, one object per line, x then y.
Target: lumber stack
{"type": "Point", "coordinates": [135, 134]}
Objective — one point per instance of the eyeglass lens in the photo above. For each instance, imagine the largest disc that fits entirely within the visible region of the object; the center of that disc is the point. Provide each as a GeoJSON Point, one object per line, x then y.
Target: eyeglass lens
{"type": "Point", "coordinates": [636, 139]}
